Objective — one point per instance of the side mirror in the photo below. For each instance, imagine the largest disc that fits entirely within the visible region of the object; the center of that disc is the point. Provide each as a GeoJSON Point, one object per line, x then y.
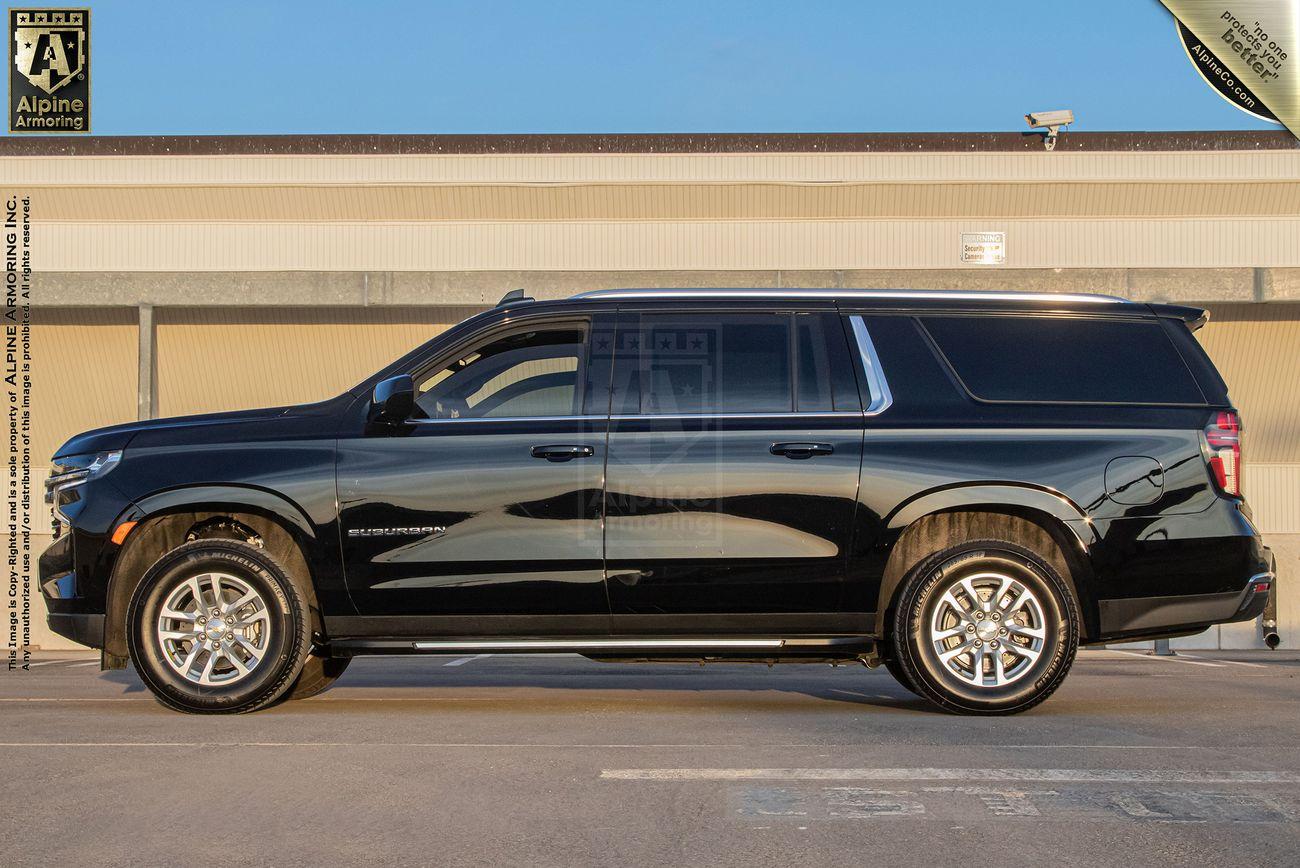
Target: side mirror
{"type": "Point", "coordinates": [393, 400]}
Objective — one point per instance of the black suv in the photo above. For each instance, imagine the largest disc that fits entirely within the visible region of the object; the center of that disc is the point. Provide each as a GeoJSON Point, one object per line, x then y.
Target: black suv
{"type": "Point", "coordinates": [962, 487]}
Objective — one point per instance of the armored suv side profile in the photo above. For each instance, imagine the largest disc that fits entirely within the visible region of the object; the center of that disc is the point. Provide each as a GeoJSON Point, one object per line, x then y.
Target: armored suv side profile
{"type": "Point", "coordinates": [962, 487]}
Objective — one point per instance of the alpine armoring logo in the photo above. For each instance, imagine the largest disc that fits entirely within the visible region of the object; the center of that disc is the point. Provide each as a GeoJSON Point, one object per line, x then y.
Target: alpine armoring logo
{"type": "Point", "coordinates": [1218, 76]}
{"type": "Point", "coordinates": [49, 76]}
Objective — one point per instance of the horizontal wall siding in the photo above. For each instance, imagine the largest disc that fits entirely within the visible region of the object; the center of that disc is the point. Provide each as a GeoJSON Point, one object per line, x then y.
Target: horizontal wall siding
{"type": "Point", "coordinates": [664, 201]}
{"type": "Point", "coordinates": [83, 373]}
{"type": "Point", "coordinates": [1256, 348]}
{"type": "Point", "coordinates": [225, 359]}
{"type": "Point", "coordinates": [1273, 492]}
{"type": "Point", "coordinates": [1196, 167]}
{"type": "Point", "coordinates": [660, 245]}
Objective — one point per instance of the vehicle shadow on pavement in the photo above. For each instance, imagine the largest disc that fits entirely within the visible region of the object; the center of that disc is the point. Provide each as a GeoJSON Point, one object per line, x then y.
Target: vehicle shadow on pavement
{"type": "Point", "coordinates": [633, 686]}
{"type": "Point", "coordinates": [125, 677]}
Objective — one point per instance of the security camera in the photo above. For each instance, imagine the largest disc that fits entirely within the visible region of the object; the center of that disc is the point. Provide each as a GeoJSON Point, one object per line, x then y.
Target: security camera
{"type": "Point", "coordinates": [1052, 122]}
{"type": "Point", "coordinates": [1061, 118]}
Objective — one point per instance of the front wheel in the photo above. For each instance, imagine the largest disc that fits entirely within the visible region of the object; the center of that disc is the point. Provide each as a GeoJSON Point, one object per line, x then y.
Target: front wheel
{"type": "Point", "coordinates": [216, 626]}
{"type": "Point", "coordinates": [985, 627]}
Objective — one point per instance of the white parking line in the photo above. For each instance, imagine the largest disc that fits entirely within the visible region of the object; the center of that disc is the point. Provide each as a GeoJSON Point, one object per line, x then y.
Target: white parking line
{"type": "Point", "coordinates": [1172, 659]}
{"type": "Point", "coordinates": [463, 660]}
{"type": "Point", "coordinates": [1090, 776]}
{"type": "Point", "coordinates": [1232, 662]}
{"type": "Point", "coordinates": [1052, 775]}
{"type": "Point", "coordinates": [79, 665]}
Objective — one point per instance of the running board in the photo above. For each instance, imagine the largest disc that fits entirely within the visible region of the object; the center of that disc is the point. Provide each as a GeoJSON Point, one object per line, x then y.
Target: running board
{"type": "Point", "coordinates": [598, 644]}
{"type": "Point", "coordinates": [609, 646]}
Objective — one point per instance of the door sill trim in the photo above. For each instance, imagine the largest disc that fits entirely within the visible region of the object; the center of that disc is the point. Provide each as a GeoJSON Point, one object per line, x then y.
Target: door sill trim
{"type": "Point", "coordinates": [797, 645]}
{"type": "Point", "coordinates": [592, 644]}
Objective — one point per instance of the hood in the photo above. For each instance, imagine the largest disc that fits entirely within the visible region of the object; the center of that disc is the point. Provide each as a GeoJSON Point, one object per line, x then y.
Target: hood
{"type": "Point", "coordinates": [188, 428]}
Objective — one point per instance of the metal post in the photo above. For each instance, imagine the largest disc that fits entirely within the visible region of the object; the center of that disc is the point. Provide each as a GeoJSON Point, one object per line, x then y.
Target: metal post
{"type": "Point", "coordinates": [147, 405]}
{"type": "Point", "coordinates": [1162, 648]}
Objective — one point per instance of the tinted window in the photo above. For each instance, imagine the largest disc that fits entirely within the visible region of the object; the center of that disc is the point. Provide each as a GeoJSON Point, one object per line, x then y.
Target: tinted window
{"type": "Point", "coordinates": [824, 378]}
{"type": "Point", "coordinates": [813, 392]}
{"type": "Point", "coordinates": [712, 364]}
{"type": "Point", "coordinates": [525, 374]}
{"type": "Point", "coordinates": [1064, 359]}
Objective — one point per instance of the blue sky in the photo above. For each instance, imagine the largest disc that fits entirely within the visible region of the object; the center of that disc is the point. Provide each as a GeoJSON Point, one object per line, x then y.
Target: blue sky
{"type": "Point", "coordinates": [667, 66]}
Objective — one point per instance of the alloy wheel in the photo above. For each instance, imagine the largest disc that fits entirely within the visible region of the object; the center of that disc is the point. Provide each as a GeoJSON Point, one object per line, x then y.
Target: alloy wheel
{"type": "Point", "coordinates": [214, 629]}
{"type": "Point", "coordinates": [988, 630]}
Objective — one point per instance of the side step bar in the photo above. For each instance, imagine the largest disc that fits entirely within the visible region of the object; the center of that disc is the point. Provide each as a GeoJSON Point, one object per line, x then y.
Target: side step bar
{"type": "Point", "coordinates": [596, 644]}
{"type": "Point", "coordinates": [679, 645]}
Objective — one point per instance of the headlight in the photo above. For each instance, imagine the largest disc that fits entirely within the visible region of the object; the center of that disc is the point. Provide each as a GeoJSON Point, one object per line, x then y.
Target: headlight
{"type": "Point", "coordinates": [71, 471]}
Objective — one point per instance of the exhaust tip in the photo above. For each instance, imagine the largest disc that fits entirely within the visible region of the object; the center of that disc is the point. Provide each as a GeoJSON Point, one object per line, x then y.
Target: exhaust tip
{"type": "Point", "coordinates": [1272, 640]}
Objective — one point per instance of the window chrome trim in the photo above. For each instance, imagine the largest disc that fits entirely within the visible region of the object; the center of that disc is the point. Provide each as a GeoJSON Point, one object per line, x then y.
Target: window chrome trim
{"type": "Point", "coordinates": [852, 294]}
{"type": "Point", "coordinates": [835, 414]}
{"type": "Point", "coordinates": [508, 419]}
{"type": "Point", "coordinates": [877, 385]}
{"type": "Point", "coordinates": [627, 417]}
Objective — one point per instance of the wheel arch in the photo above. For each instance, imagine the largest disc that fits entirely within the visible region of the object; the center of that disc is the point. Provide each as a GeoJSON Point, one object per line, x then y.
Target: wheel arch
{"type": "Point", "coordinates": [165, 521]}
{"type": "Point", "coordinates": [1062, 541]}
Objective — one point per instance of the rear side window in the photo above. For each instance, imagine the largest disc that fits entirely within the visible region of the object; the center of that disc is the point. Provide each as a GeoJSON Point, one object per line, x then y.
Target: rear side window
{"type": "Point", "coordinates": [1064, 359]}
{"type": "Point", "coordinates": [739, 363]}
{"type": "Point", "coordinates": [824, 371]}
{"type": "Point", "coordinates": [674, 364]}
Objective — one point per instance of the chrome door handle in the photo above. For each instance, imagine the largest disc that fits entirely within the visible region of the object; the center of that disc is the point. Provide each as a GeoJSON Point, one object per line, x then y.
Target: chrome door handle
{"type": "Point", "coordinates": [562, 453]}
{"type": "Point", "coordinates": [802, 450]}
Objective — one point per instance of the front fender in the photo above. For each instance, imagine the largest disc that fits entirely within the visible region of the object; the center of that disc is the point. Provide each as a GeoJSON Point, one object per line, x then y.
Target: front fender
{"type": "Point", "coordinates": [238, 498]}
{"type": "Point", "coordinates": [140, 550]}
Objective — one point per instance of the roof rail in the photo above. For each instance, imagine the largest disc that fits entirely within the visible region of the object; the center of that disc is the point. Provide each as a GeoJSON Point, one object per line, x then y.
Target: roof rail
{"type": "Point", "coordinates": [850, 294]}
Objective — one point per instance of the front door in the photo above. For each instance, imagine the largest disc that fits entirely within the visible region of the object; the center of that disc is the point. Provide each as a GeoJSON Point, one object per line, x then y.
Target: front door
{"type": "Point", "coordinates": [483, 515]}
{"type": "Point", "coordinates": [734, 455]}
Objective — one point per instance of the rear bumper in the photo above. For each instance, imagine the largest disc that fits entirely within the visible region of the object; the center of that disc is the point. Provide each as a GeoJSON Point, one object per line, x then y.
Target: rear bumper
{"type": "Point", "coordinates": [1148, 617]}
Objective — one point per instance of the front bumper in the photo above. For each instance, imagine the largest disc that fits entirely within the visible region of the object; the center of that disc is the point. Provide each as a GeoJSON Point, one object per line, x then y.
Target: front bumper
{"type": "Point", "coordinates": [64, 600]}
{"type": "Point", "coordinates": [83, 629]}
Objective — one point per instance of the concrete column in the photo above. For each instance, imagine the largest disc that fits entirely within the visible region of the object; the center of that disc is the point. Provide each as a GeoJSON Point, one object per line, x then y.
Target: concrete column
{"type": "Point", "coordinates": [147, 398]}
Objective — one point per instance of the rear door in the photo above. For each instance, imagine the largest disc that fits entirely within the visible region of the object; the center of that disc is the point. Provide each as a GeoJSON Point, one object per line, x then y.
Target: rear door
{"type": "Point", "coordinates": [734, 452]}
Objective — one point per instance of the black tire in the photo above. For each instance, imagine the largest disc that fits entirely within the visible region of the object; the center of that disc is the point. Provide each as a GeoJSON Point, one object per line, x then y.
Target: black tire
{"type": "Point", "coordinates": [1031, 679]}
{"type": "Point", "coordinates": [318, 675]}
{"type": "Point", "coordinates": [287, 643]}
{"type": "Point", "coordinates": [896, 670]}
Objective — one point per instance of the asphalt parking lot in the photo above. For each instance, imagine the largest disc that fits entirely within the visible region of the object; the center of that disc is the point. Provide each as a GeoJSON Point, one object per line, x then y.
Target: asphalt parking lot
{"type": "Point", "coordinates": [562, 761]}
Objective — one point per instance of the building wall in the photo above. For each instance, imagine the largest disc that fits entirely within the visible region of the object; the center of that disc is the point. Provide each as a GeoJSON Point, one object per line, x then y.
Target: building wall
{"type": "Point", "coordinates": [211, 359]}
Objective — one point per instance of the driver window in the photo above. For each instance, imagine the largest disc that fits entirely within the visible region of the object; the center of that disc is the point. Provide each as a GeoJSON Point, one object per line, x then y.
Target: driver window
{"type": "Point", "coordinates": [532, 373]}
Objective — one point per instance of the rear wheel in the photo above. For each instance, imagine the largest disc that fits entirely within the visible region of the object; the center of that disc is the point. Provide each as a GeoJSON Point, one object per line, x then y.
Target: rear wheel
{"type": "Point", "coordinates": [985, 627]}
{"type": "Point", "coordinates": [216, 626]}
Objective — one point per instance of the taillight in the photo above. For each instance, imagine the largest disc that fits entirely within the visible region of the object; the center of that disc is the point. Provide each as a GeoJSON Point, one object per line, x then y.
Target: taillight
{"type": "Point", "coordinates": [1224, 438]}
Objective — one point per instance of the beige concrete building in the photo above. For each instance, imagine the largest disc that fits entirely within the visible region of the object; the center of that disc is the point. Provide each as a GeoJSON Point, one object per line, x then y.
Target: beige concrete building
{"type": "Point", "coordinates": [182, 275]}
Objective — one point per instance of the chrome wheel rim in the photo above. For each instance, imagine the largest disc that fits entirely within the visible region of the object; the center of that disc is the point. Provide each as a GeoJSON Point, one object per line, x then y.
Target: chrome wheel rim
{"type": "Point", "coordinates": [214, 629]}
{"type": "Point", "coordinates": [988, 630]}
